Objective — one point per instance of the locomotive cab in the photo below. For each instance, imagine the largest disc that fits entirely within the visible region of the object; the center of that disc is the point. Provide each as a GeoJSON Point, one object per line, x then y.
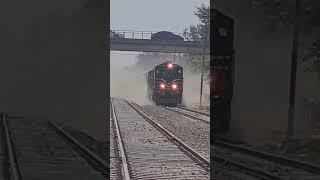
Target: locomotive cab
{"type": "Point", "coordinates": [165, 84]}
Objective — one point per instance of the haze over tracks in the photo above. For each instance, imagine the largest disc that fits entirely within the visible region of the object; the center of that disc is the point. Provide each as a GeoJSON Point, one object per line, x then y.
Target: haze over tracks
{"type": "Point", "coordinates": [197, 115]}
{"type": "Point", "coordinates": [149, 153]}
{"type": "Point", "coordinates": [193, 132]}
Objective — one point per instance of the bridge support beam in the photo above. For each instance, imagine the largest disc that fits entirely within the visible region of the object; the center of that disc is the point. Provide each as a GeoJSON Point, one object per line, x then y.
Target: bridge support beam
{"type": "Point", "coordinates": [147, 45]}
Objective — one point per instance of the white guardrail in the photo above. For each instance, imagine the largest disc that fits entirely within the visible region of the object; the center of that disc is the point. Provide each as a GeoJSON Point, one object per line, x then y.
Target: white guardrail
{"type": "Point", "coordinates": [128, 34]}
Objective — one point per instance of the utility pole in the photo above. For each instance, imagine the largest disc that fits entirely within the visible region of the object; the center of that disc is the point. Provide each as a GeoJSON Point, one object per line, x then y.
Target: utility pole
{"type": "Point", "coordinates": [202, 64]}
{"type": "Point", "coordinates": [293, 73]}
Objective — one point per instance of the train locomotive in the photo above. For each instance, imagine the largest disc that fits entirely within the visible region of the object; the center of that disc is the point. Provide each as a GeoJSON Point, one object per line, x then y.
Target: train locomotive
{"type": "Point", "coordinates": [165, 84]}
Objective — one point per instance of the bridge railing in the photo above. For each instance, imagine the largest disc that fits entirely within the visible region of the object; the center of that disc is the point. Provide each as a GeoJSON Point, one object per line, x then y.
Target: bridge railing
{"type": "Point", "coordinates": [126, 34]}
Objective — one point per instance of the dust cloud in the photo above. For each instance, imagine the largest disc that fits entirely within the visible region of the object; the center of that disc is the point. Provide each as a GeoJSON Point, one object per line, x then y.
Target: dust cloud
{"type": "Point", "coordinates": [191, 91]}
{"type": "Point", "coordinates": [129, 83]}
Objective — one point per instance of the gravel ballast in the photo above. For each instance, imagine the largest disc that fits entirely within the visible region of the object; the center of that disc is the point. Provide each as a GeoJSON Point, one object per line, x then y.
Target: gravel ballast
{"type": "Point", "coordinates": [193, 132]}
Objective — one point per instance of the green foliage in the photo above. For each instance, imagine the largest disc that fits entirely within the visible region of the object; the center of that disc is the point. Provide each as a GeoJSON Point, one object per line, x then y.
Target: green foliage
{"type": "Point", "coordinates": [203, 13]}
{"type": "Point", "coordinates": [196, 33]}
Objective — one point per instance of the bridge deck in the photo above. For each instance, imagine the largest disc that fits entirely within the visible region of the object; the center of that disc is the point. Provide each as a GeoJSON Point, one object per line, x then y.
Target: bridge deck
{"type": "Point", "coordinates": [147, 45]}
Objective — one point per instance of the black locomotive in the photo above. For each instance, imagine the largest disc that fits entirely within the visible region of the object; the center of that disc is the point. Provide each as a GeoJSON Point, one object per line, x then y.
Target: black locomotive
{"type": "Point", "coordinates": [165, 84]}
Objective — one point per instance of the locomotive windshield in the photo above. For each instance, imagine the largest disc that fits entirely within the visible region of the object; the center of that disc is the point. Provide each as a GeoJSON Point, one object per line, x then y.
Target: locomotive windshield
{"type": "Point", "coordinates": [170, 75]}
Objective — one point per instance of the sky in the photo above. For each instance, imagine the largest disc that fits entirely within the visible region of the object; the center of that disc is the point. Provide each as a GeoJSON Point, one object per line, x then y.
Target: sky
{"type": "Point", "coordinates": [150, 15]}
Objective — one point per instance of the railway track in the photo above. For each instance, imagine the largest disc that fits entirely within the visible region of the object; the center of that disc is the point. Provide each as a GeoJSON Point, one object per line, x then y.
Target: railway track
{"type": "Point", "coordinates": [115, 168]}
{"type": "Point", "coordinates": [195, 111]}
{"type": "Point", "coordinates": [196, 134]}
{"type": "Point", "coordinates": [190, 113]}
{"type": "Point", "coordinates": [262, 165]}
{"type": "Point", "coordinates": [148, 151]}
{"type": "Point", "coordinates": [43, 150]}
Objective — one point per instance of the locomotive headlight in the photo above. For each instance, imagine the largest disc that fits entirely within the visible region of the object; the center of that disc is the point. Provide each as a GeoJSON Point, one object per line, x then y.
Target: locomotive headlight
{"type": "Point", "coordinates": [170, 65]}
{"type": "Point", "coordinates": [174, 86]}
{"type": "Point", "coordinates": [162, 86]}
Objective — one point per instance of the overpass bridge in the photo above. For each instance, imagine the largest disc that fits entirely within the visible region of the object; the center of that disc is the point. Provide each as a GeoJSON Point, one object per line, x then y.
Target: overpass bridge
{"type": "Point", "coordinates": [141, 41]}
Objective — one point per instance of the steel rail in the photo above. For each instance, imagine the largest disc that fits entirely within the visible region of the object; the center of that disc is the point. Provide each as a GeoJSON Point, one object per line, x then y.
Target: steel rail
{"type": "Point", "coordinates": [195, 111]}
{"type": "Point", "coordinates": [187, 115]}
{"type": "Point", "coordinates": [190, 150]}
{"type": "Point", "coordinates": [125, 165]}
{"type": "Point", "coordinates": [271, 157]}
{"type": "Point", "coordinates": [15, 172]}
{"type": "Point", "coordinates": [257, 172]}
{"type": "Point", "coordinates": [84, 149]}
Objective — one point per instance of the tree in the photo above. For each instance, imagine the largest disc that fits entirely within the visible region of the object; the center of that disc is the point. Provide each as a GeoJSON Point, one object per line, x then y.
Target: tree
{"type": "Point", "coordinates": [196, 33]}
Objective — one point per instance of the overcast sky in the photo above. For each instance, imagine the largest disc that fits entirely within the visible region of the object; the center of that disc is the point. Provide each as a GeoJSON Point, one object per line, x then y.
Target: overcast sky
{"type": "Point", "coordinates": [150, 15]}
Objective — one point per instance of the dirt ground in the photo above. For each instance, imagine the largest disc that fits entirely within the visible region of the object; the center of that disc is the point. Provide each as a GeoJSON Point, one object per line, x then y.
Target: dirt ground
{"type": "Point", "coordinates": [305, 150]}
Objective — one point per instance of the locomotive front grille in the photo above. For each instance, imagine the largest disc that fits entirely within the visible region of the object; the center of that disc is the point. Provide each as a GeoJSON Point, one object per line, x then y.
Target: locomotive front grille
{"type": "Point", "coordinates": [166, 100]}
